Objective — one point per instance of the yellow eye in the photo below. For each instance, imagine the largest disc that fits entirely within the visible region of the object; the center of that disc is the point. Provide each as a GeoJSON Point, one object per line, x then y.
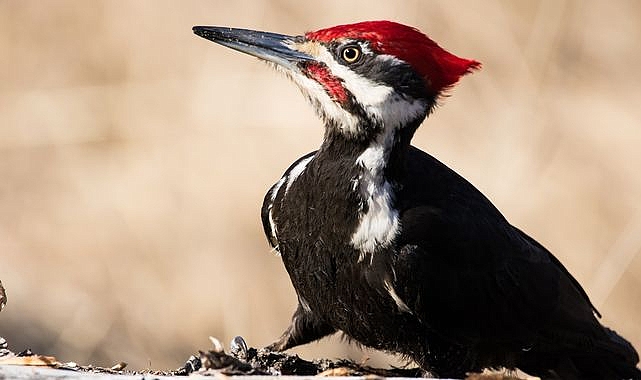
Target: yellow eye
{"type": "Point", "coordinates": [351, 54]}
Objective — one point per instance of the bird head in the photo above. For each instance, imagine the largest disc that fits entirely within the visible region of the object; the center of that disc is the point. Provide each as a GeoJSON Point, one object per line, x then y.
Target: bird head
{"type": "Point", "coordinates": [365, 79]}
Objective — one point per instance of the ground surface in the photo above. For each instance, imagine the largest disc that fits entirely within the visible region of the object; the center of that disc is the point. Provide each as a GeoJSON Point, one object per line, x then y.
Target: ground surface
{"type": "Point", "coordinates": [241, 362]}
{"type": "Point", "coordinates": [20, 372]}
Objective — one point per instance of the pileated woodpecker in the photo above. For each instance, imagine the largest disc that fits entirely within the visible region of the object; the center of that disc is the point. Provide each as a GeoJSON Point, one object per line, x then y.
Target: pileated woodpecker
{"type": "Point", "coordinates": [388, 245]}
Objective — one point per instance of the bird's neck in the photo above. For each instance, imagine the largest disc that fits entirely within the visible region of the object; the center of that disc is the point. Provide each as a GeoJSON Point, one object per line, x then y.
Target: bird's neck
{"type": "Point", "coordinates": [380, 151]}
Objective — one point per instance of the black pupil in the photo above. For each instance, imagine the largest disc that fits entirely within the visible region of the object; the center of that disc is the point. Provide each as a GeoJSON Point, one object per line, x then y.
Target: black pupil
{"type": "Point", "coordinates": [350, 54]}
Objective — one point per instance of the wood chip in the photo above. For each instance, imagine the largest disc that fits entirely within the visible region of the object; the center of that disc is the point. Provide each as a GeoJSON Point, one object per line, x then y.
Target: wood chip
{"type": "Point", "coordinates": [340, 371]}
{"type": "Point", "coordinates": [119, 367]}
{"type": "Point", "coordinates": [33, 360]}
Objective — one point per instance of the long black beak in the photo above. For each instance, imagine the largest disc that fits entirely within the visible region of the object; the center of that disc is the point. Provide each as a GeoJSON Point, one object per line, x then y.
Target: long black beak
{"type": "Point", "coordinates": [271, 47]}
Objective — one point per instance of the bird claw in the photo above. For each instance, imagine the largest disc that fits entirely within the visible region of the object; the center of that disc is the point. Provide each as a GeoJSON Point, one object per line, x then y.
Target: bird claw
{"type": "Point", "coordinates": [192, 364]}
{"type": "Point", "coordinates": [238, 348]}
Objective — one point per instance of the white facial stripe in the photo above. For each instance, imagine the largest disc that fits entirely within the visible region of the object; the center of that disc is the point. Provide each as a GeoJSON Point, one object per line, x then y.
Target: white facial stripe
{"type": "Point", "coordinates": [369, 94]}
{"type": "Point", "coordinates": [396, 110]}
{"type": "Point", "coordinates": [321, 101]}
{"type": "Point", "coordinates": [380, 101]}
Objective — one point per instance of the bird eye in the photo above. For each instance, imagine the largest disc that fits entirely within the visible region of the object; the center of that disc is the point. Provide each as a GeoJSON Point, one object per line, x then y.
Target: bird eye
{"type": "Point", "coordinates": [351, 54]}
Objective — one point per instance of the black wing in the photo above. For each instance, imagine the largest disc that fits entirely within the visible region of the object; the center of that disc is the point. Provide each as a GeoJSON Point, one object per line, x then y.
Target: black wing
{"type": "Point", "coordinates": [480, 279]}
{"type": "Point", "coordinates": [270, 198]}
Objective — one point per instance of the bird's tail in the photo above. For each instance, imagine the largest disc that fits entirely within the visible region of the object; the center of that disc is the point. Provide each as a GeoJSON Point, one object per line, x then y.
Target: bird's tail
{"type": "Point", "coordinates": [614, 358]}
{"type": "Point", "coordinates": [606, 357]}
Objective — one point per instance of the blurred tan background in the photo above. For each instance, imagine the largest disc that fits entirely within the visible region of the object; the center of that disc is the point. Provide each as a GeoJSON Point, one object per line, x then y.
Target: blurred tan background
{"type": "Point", "coordinates": [134, 157]}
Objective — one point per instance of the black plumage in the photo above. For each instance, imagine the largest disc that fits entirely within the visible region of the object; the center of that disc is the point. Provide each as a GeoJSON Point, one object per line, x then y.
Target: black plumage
{"type": "Point", "coordinates": [481, 292]}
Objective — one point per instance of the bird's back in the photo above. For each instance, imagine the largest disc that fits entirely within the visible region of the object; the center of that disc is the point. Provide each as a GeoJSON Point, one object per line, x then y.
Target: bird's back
{"type": "Point", "coordinates": [488, 286]}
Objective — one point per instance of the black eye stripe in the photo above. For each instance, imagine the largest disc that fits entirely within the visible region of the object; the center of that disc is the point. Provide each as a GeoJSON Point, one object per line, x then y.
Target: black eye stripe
{"type": "Point", "coordinates": [398, 75]}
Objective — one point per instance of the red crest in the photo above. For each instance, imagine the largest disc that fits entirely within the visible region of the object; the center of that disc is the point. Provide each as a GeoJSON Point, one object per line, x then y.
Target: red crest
{"type": "Point", "coordinates": [440, 68]}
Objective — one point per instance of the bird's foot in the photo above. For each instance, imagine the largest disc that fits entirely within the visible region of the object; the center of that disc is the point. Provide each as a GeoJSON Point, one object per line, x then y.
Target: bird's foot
{"type": "Point", "coordinates": [192, 365]}
{"type": "Point", "coordinates": [238, 348]}
{"type": "Point", "coordinates": [217, 359]}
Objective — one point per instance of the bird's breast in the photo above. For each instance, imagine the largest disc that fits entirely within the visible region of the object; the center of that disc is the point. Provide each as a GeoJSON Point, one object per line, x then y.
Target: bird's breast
{"type": "Point", "coordinates": [335, 226]}
{"type": "Point", "coordinates": [378, 220]}
{"type": "Point", "coordinates": [337, 204]}
{"type": "Point", "coordinates": [316, 208]}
